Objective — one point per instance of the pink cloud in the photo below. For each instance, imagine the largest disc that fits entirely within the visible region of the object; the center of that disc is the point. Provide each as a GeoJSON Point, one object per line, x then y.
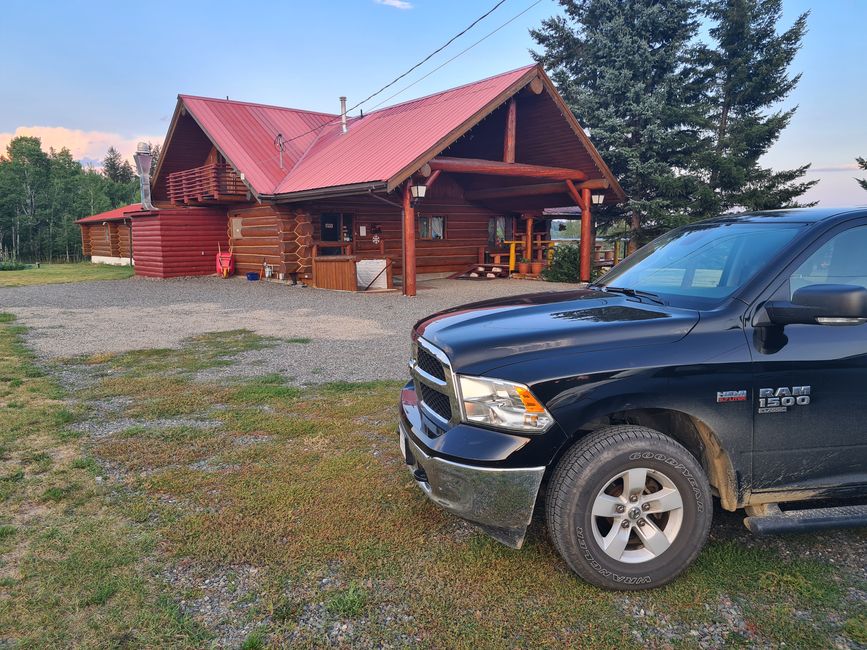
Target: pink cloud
{"type": "Point", "coordinates": [84, 145]}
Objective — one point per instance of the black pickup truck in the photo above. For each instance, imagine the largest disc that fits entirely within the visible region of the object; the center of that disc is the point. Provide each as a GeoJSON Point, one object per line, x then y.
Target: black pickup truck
{"type": "Point", "coordinates": [725, 359]}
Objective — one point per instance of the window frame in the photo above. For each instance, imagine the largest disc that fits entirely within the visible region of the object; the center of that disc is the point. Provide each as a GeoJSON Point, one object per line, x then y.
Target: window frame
{"type": "Point", "coordinates": [428, 219]}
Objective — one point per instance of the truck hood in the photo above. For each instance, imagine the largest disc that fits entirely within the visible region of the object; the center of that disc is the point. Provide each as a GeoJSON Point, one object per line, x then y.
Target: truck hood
{"type": "Point", "coordinates": [485, 335]}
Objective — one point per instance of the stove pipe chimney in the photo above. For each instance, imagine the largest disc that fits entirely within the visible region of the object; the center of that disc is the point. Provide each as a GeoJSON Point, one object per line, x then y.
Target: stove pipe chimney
{"type": "Point", "coordinates": [343, 126]}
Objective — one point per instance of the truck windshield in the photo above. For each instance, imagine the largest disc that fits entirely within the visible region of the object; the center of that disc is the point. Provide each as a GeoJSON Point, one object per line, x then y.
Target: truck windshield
{"type": "Point", "coordinates": [700, 266]}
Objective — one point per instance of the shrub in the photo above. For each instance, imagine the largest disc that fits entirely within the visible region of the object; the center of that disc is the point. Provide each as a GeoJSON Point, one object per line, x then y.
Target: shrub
{"type": "Point", "coordinates": [565, 265]}
{"type": "Point", "coordinates": [13, 266]}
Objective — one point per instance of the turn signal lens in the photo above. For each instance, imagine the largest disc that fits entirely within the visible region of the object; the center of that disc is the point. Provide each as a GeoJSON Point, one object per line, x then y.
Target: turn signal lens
{"type": "Point", "coordinates": [530, 403]}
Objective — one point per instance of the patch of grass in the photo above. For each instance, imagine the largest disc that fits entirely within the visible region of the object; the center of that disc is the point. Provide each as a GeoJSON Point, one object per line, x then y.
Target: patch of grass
{"type": "Point", "coordinates": [86, 463]}
{"type": "Point", "coordinates": [856, 628]}
{"type": "Point", "coordinates": [64, 273]}
{"type": "Point", "coordinates": [65, 558]}
{"type": "Point", "coordinates": [347, 603]}
{"type": "Point", "coordinates": [256, 641]}
{"type": "Point", "coordinates": [6, 317]}
{"type": "Point", "coordinates": [263, 390]}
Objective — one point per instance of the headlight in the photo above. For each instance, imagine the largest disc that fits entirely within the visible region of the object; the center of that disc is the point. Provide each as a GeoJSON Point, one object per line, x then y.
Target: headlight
{"type": "Point", "coordinates": [503, 404]}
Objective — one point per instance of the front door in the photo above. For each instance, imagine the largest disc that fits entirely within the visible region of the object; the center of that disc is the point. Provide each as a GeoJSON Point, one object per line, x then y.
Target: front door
{"type": "Point", "coordinates": [330, 223]}
{"type": "Point", "coordinates": [811, 380]}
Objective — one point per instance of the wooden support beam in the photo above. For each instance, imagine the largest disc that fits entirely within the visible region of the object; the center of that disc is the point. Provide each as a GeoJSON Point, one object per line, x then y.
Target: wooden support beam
{"type": "Point", "coordinates": [408, 242]}
{"type": "Point", "coordinates": [536, 189]}
{"type": "Point", "coordinates": [509, 137]}
{"type": "Point", "coordinates": [498, 168]}
{"type": "Point", "coordinates": [528, 251]}
{"type": "Point", "coordinates": [536, 86]}
{"type": "Point", "coordinates": [586, 237]}
{"type": "Point", "coordinates": [582, 199]}
{"type": "Point", "coordinates": [432, 179]}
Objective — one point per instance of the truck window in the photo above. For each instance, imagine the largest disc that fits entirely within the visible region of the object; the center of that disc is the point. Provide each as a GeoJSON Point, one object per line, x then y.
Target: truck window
{"type": "Point", "coordinates": [699, 266]}
{"type": "Point", "coordinates": [840, 260]}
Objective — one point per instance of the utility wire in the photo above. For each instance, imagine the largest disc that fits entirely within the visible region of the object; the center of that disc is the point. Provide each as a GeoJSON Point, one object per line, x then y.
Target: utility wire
{"type": "Point", "coordinates": [462, 52]}
{"type": "Point", "coordinates": [431, 55]}
{"type": "Point", "coordinates": [396, 79]}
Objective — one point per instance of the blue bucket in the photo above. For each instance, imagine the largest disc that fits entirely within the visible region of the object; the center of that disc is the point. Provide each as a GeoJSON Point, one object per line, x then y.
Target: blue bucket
{"type": "Point", "coordinates": [252, 276]}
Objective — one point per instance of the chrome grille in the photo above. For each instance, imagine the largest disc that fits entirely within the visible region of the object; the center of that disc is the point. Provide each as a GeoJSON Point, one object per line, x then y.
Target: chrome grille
{"type": "Point", "coordinates": [437, 401]}
{"type": "Point", "coordinates": [433, 379]}
{"type": "Point", "coordinates": [430, 364]}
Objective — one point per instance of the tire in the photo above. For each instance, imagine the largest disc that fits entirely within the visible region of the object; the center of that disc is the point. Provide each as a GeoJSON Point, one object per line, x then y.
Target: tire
{"type": "Point", "coordinates": [671, 497]}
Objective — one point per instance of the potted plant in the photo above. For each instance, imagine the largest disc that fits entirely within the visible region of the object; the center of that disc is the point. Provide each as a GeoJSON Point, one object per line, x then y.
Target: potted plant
{"type": "Point", "coordinates": [536, 267]}
{"type": "Point", "coordinates": [523, 266]}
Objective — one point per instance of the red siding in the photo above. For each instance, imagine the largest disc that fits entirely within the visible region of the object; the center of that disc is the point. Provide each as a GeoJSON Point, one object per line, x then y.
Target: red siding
{"type": "Point", "coordinates": [175, 242]}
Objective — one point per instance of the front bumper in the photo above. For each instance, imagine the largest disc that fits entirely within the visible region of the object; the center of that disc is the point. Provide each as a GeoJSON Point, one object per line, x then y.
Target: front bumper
{"type": "Point", "coordinates": [499, 500]}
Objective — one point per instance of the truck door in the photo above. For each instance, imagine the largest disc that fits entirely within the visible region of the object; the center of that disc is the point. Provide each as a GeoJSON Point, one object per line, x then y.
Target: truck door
{"type": "Point", "coordinates": [810, 390]}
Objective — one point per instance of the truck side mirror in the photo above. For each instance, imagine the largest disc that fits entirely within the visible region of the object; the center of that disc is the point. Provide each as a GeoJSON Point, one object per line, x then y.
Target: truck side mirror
{"type": "Point", "coordinates": [823, 304]}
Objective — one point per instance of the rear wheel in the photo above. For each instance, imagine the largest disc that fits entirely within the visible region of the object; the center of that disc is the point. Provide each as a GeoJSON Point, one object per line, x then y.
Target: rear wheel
{"type": "Point", "coordinates": [628, 508]}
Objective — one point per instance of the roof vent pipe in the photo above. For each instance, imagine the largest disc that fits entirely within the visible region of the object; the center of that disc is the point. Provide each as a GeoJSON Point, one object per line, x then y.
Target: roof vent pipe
{"type": "Point", "coordinates": [143, 158]}
{"type": "Point", "coordinates": [343, 126]}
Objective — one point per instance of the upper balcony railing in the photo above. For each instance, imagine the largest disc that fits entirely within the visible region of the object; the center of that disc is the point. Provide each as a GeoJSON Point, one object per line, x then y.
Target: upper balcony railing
{"type": "Point", "coordinates": [216, 183]}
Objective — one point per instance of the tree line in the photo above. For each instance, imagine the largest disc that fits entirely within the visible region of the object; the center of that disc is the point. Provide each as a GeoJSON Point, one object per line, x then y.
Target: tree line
{"type": "Point", "coordinates": [43, 193]}
{"type": "Point", "coordinates": [682, 98]}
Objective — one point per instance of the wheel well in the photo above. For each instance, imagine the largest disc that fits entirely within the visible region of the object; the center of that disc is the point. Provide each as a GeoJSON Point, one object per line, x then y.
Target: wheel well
{"type": "Point", "coordinates": [693, 434]}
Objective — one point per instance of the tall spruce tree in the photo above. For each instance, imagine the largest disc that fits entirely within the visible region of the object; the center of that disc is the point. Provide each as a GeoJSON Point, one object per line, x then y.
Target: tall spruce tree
{"type": "Point", "coordinates": [862, 163]}
{"type": "Point", "coordinates": [744, 74]}
{"type": "Point", "coordinates": [116, 168]}
{"type": "Point", "coordinates": [620, 65]}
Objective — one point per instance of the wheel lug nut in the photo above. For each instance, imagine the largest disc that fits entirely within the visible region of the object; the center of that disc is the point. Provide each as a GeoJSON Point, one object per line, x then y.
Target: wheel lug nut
{"type": "Point", "coordinates": [641, 523]}
{"type": "Point", "coordinates": [633, 498]}
{"type": "Point", "coordinates": [645, 506]}
{"type": "Point", "coordinates": [625, 524]}
{"type": "Point", "coordinates": [621, 508]}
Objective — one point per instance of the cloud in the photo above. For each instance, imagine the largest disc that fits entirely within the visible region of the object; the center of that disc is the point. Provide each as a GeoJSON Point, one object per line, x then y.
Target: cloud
{"type": "Point", "coordinates": [846, 167]}
{"type": "Point", "coordinates": [84, 145]}
{"type": "Point", "coordinates": [397, 4]}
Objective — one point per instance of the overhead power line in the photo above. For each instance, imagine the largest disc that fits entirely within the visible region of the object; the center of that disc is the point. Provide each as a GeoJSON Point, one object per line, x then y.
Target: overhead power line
{"type": "Point", "coordinates": [398, 78]}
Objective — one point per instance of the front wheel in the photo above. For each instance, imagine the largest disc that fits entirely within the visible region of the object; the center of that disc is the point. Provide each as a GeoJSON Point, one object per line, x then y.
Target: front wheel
{"type": "Point", "coordinates": [628, 508]}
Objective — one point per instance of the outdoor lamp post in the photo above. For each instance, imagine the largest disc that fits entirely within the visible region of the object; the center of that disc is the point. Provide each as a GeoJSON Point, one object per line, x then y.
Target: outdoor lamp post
{"type": "Point", "coordinates": [143, 160]}
{"type": "Point", "coordinates": [417, 193]}
{"type": "Point", "coordinates": [597, 198]}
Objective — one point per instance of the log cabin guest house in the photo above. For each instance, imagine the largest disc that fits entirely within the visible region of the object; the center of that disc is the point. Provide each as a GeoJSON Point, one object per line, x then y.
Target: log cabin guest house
{"type": "Point", "coordinates": [443, 184]}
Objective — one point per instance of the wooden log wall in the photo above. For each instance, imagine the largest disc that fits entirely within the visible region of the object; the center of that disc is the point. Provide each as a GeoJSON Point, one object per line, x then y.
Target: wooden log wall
{"type": "Point", "coordinates": [175, 242]}
{"type": "Point", "coordinates": [277, 235]}
{"type": "Point", "coordinates": [86, 248]}
{"type": "Point", "coordinates": [466, 228]}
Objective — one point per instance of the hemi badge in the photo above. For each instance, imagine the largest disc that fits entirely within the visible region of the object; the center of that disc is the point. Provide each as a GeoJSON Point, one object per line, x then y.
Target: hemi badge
{"type": "Point", "coordinates": [731, 396]}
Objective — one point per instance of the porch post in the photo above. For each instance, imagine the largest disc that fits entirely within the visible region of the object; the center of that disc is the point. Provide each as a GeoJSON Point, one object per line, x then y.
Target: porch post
{"type": "Point", "coordinates": [586, 236]}
{"type": "Point", "coordinates": [528, 252]}
{"type": "Point", "coordinates": [408, 242]}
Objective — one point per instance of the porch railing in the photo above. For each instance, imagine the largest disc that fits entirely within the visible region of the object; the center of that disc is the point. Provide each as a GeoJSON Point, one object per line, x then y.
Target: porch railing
{"type": "Point", "coordinates": [207, 184]}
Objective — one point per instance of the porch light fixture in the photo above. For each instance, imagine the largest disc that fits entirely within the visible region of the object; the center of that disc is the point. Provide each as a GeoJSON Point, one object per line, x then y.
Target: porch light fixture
{"type": "Point", "coordinates": [597, 198]}
{"type": "Point", "coordinates": [417, 192]}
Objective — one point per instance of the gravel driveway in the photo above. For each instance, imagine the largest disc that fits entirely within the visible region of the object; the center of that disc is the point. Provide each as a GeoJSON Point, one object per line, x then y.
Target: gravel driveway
{"type": "Point", "coordinates": [354, 337]}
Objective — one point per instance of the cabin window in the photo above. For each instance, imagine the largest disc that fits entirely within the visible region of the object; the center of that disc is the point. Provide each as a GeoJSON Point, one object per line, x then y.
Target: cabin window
{"type": "Point", "coordinates": [432, 227]}
{"type": "Point", "coordinates": [499, 230]}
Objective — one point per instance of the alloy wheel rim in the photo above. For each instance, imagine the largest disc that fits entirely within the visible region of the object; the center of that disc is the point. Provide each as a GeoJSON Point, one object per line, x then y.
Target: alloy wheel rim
{"type": "Point", "coordinates": [637, 515]}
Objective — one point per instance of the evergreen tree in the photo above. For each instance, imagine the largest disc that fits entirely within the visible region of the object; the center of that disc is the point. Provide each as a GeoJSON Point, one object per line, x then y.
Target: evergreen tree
{"type": "Point", "coordinates": [862, 163]}
{"type": "Point", "coordinates": [744, 74]}
{"type": "Point", "coordinates": [620, 65]}
{"type": "Point", "coordinates": [116, 168]}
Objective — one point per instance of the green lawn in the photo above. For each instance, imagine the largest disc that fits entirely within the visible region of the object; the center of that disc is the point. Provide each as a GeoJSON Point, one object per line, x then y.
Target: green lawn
{"type": "Point", "coordinates": [64, 273]}
{"type": "Point", "coordinates": [298, 501]}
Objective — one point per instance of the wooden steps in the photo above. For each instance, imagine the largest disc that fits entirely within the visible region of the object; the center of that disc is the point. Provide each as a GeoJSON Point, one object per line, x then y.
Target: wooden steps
{"type": "Point", "coordinates": [482, 272]}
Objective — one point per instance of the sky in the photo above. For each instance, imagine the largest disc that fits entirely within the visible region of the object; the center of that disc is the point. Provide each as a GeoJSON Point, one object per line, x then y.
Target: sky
{"type": "Point", "coordinates": [87, 74]}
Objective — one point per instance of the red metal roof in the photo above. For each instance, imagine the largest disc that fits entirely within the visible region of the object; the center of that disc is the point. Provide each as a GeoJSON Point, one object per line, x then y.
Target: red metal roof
{"type": "Point", "coordinates": [112, 215]}
{"type": "Point", "coordinates": [377, 147]}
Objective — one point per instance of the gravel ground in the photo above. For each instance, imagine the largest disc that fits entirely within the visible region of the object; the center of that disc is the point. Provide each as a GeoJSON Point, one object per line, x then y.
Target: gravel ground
{"type": "Point", "coordinates": [354, 337]}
